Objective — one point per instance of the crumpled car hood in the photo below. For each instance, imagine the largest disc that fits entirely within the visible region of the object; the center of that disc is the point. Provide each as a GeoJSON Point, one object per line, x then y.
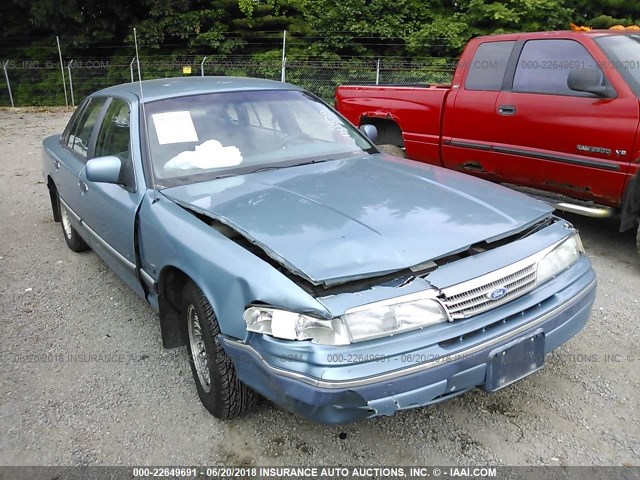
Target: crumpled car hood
{"type": "Point", "coordinates": [349, 219]}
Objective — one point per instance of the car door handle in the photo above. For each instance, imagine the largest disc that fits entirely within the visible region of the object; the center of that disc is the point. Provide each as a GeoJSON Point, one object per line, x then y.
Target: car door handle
{"type": "Point", "coordinates": [56, 165]}
{"type": "Point", "coordinates": [83, 186]}
{"type": "Point", "coordinates": [507, 110]}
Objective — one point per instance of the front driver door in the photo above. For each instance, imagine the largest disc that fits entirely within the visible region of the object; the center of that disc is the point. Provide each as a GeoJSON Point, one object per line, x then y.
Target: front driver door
{"type": "Point", "coordinates": [109, 210]}
{"type": "Point", "coordinates": [553, 138]}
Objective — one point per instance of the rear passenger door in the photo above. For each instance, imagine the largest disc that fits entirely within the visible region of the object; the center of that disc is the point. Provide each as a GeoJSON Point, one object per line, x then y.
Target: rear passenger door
{"type": "Point", "coordinates": [469, 112]}
{"type": "Point", "coordinates": [553, 138]}
{"type": "Point", "coordinates": [76, 143]}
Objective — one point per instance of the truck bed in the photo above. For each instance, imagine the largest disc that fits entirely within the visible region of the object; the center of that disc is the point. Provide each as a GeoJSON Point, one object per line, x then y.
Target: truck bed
{"type": "Point", "coordinates": [416, 110]}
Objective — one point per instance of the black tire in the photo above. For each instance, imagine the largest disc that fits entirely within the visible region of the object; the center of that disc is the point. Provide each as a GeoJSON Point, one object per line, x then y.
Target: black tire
{"type": "Point", "coordinates": [392, 150]}
{"type": "Point", "coordinates": [71, 237]}
{"type": "Point", "coordinates": [638, 239]}
{"type": "Point", "coordinates": [224, 396]}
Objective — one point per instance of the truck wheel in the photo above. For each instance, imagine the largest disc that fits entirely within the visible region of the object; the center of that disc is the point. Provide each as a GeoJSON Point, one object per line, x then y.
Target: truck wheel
{"type": "Point", "coordinates": [73, 240]}
{"type": "Point", "coordinates": [218, 387]}
{"type": "Point", "coordinates": [392, 150]}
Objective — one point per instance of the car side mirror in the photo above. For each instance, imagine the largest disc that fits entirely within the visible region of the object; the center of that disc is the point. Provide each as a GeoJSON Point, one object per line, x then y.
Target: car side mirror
{"type": "Point", "coordinates": [589, 80]}
{"type": "Point", "coordinates": [370, 131]}
{"type": "Point", "coordinates": [104, 170]}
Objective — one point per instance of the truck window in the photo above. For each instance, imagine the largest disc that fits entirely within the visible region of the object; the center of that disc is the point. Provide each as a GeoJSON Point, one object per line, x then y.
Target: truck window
{"type": "Point", "coordinates": [544, 65]}
{"type": "Point", "coordinates": [623, 52]}
{"type": "Point", "coordinates": [486, 71]}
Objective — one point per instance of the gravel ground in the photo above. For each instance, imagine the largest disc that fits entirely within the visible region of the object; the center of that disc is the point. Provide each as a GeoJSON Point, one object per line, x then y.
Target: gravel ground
{"type": "Point", "coordinates": [135, 403]}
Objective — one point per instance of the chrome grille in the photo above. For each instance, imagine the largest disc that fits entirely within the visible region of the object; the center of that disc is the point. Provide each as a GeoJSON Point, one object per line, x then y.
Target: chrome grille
{"type": "Point", "coordinates": [472, 297]}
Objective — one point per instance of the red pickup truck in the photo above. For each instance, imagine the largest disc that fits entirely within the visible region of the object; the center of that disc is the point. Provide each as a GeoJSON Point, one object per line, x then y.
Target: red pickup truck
{"type": "Point", "coordinates": [555, 114]}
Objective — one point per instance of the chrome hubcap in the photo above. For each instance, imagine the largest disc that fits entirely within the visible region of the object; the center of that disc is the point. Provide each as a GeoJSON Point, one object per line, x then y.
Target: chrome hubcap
{"type": "Point", "coordinates": [198, 351]}
{"type": "Point", "coordinates": [66, 224]}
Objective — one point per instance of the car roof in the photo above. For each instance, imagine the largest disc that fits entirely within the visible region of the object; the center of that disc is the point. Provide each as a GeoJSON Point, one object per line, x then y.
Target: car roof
{"type": "Point", "coordinates": [162, 88]}
{"type": "Point", "coordinates": [556, 34]}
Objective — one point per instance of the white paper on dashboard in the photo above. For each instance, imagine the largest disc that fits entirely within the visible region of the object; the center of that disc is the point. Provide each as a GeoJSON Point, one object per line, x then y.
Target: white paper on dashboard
{"type": "Point", "coordinates": [210, 155]}
{"type": "Point", "coordinates": [174, 127]}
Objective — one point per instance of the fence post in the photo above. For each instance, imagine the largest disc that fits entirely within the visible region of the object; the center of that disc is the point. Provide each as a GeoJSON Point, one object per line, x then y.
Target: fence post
{"type": "Point", "coordinates": [131, 68]}
{"type": "Point", "coordinates": [378, 73]}
{"type": "Point", "coordinates": [64, 83]}
{"type": "Point", "coordinates": [284, 58]}
{"type": "Point", "coordinates": [73, 101]}
{"type": "Point", "coordinates": [6, 76]}
{"type": "Point", "coordinates": [202, 66]}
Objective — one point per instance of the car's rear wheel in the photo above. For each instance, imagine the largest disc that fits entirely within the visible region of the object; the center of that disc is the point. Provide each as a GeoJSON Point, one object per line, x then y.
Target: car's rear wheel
{"type": "Point", "coordinates": [638, 239]}
{"type": "Point", "coordinates": [392, 150]}
{"type": "Point", "coordinates": [73, 240]}
{"type": "Point", "coordinates": [218, 386]}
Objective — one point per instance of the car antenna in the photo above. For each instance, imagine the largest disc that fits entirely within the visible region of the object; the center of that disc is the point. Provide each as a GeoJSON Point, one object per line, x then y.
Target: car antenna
{"type": "Point", "coordinates": [144, 120]}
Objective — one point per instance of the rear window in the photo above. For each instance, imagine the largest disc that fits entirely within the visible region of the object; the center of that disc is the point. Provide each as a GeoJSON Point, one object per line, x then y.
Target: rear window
{"type": "Point", "coordinates": [489, 64]}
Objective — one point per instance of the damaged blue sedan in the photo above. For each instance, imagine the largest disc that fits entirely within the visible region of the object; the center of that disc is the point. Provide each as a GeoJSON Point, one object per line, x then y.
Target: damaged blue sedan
{"type": "Point", "coordinates": [297, 262]}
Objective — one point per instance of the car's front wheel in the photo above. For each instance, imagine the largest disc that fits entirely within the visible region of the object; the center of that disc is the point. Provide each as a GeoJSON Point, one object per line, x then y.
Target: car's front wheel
{"type": "Point", "coordinates": [73, 240]}
{"type": "Point", "coordinates": [215, 376]}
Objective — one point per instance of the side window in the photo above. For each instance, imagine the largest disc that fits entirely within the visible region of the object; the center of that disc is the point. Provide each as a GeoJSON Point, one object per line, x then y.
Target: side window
{"type": "Point", "coordinates": [544, 66]}
{"type": "Point", "coordinates": [73, 122]}
{"type": "Point", "coordinates": [114, 137]}
{"type": "Point", "coordinates": [81, 134]}
{"type": "Point", "coordinates": [486, 71]}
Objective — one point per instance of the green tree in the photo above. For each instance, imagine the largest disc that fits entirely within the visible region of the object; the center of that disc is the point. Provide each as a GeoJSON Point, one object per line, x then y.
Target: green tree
{"type": "Point", "coordinates": [606, 13]}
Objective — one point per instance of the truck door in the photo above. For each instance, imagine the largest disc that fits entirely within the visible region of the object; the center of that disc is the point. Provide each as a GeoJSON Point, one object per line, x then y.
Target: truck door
{"type": "Point", "coordinates": [468, 130]}
{"type": "Point", "coordinates": [553, 138]}
{"type": "Point", "coordinates": [108, 211]}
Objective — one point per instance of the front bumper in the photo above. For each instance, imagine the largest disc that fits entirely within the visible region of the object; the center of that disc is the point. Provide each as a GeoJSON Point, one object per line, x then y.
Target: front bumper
{"type": "Point", "coordinates": [344, 384]}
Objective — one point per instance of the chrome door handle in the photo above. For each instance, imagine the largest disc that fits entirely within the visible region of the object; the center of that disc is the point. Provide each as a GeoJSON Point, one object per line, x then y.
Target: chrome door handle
{"type": "Point", "coordinates": [56, 165]}
{"type": "Point", "coordinates": [507, 110]}
{"type": "Point", "coordinates": [83, 186]}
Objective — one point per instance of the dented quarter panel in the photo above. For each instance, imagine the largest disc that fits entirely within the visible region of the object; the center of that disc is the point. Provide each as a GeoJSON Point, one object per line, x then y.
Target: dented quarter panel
{"type": "Point", "coordinates": [364, 216]}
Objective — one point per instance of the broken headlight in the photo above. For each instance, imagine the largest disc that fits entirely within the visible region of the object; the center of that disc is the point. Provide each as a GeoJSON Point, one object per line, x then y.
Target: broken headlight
{"type": "Point", "coordinates": [395, 315]}
{"type": "Point", "coordinates": [560, 258]}
{"type": "Point", "coordinates": [374, 320]}
{"type": "Point", "coordinates": [295, 326]}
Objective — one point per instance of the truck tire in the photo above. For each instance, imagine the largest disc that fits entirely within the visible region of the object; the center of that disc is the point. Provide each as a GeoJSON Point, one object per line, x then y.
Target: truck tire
{"type": "Point", "coordinates": [638, 239]}
{"type": "Point", "coordinates": [392, 150]}
{"type": "Point", "coordinates": [218, 386]}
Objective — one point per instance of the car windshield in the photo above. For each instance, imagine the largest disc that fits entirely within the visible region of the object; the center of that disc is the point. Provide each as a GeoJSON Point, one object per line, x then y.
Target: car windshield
{"type": "Point", "coordinates": [201, 137]}
{"type": "Point", "coordinates": [623, 52]}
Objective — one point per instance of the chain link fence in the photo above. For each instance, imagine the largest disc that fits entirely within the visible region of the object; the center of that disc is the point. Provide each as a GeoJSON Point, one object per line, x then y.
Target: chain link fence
{"type": "Point", "coordinates": [40, 82]}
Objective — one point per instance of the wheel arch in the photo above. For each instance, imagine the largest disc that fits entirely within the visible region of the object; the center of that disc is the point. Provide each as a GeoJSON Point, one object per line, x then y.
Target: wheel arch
{"type": "Point", "coordinates": [631, 204]}
{"type": "Point", "coordinates": [389, 131]}
{"type": "Point", "coordinates": [171, 284]}
{"type": "Point", "coordinates": [53, 197]}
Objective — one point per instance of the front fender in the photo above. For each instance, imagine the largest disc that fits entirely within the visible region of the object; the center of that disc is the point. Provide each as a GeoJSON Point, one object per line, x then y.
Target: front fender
{"type": "Point", "coordinates": [230, 276]}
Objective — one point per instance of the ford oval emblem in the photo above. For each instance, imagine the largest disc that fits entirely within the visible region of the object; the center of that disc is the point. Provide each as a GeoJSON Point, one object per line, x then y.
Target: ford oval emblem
{"type": "Point", "coordinates": [497, 293]}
